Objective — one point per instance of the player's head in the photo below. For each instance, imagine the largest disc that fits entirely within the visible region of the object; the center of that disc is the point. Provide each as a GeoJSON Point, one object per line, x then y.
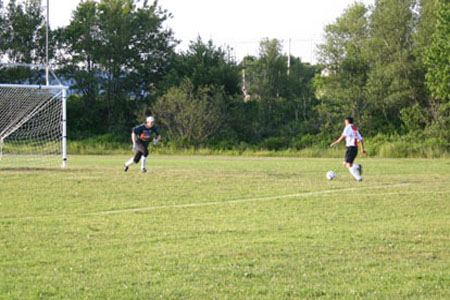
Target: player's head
{"type": "Point", "coordinates": [349, 120]}
{"type": "Point", "coordinates": [150, 121]}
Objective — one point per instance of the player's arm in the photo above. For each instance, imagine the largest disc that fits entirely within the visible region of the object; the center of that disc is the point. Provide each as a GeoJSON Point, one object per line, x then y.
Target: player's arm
{"type": "Point", "coordinates": [158, 137]}
{"type": "Point", "coordinates": [156, 141]}
{"type": "Point", "coordinates": [134, 134]}
{"type": "Point", "coordinates": [361, 142]}
{"type": "Point", "coordinates": [133, 138]}
{"type": "Point", "coordinates": [363, 151]}
{"type": "Point", "coordinates": [338, 141]}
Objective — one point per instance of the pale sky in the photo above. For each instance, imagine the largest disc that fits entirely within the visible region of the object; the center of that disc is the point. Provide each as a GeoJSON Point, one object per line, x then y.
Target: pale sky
{"type": "Point", "coordinates": [240, 24]}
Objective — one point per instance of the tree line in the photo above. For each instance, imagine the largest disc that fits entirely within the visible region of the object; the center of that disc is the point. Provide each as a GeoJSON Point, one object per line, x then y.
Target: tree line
{"type": "Point", "coordinates": [387, 65]}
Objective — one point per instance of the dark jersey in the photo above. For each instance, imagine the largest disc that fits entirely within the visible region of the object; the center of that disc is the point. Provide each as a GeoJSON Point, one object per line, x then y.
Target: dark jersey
{"type": "Point", "coordinates": [144, 135]}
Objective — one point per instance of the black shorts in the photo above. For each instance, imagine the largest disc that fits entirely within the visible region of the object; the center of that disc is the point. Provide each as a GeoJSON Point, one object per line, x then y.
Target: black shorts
{"type": "Point", "coordinates": [350, 154]}
{"type": "Point", "coordinates": [142, 147]}
{"type": "Point", "coordinates": [142, 150]}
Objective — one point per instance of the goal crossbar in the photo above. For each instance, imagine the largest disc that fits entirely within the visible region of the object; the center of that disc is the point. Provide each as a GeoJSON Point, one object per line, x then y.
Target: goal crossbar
{"type": "Point", "coordinates": [35, 86]}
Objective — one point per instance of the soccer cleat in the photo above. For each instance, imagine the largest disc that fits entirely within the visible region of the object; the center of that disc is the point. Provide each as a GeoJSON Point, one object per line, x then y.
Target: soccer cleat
{"type": "Point", "coordinates": [360, 169]}
{"type": "Point", "coordinates": [125, 168]}
{"type": "Point", "coordinates": [359, 180]}
{"type": "Point", "coordinates": [144, 170]}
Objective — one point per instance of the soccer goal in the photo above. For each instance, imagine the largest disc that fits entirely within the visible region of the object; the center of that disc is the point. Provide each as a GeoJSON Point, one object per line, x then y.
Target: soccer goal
{"type": "Point", "coordinates": [32, 125]}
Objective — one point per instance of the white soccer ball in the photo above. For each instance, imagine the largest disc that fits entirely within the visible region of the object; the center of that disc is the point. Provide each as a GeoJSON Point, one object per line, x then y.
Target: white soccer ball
{"type": "Point", "coordinates": [331, 175]}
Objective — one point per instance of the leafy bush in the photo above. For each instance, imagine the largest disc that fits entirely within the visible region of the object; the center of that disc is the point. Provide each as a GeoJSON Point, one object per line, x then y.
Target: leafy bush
{"type": "Point", "coordinates": [414, 145]}
{"type": "Point", "coordinates": [274, 143]}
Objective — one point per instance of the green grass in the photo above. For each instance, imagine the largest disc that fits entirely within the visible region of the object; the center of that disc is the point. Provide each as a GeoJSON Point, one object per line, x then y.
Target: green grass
{"type": "Point", "coordinates": [225, 228]}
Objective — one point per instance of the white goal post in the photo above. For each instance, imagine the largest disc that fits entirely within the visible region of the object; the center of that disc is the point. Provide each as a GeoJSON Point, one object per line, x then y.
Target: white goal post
{"type": "Point", "coordinates": [33, 125]}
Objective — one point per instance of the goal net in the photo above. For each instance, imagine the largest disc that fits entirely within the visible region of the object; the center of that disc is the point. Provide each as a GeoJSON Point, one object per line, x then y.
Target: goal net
{"type": "Point", "coordinates": [32, 126]}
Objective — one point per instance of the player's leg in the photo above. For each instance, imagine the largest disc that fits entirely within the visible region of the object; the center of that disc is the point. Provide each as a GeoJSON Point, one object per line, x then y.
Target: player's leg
{"type": "Point", "coordinates": [144, 160]}
{"type": "Point", "coordinates": [128, 164]}
{"type": "Point", "coordinates": [350, 156]}
{"type": "Point", "coordinates": [140, 151]}
{"type": "Point", "coordinates": [359, 168]}
{"type": "Point", "coordinates": [134, 160]}
{"type": "Point", "coordinates": [354, 171]}
{"type": "Point", "coordinates": [347, 159]}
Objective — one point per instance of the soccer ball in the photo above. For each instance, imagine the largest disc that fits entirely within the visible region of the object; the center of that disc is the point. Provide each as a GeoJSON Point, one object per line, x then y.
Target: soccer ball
{"type": "Point", "coordinates": [331, 175]}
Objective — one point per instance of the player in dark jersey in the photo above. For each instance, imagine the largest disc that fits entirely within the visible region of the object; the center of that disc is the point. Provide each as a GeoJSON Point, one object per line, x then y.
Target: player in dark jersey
{"type": "Point", "coordinates": [141, 136]}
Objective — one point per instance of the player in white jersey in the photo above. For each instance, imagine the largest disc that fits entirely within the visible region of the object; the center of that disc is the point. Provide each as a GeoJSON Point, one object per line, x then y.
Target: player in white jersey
{"type": "Point", "coordinates": [352, 137]}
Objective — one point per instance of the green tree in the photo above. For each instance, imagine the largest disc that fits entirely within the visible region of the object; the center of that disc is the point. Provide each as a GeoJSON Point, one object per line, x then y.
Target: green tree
{"type": "Point", "coordinates": [120, 54]}
{"type": "Point", "coordinates": [437, 57]}
{"type": "Point", "coordinates": [266, 78]}
{"type": "Point", "coordinates": [426, 25]}
{"type": "Point", "coordinates": [418, 116]}
{"type": "Point", "coordinates": [393, 83]}
{"type": "Point", "coordinates": [189, 116]}
{"type": "Point", "coordinates": [300, 90]}
{"type": "Point", "coordinates": [342, 88]}
{"type": "Point", "coordinates": [79, 61]}
{"type": "Point", "coordinates": [133, 50]}
{"type": "Point", "coordinates": [266, 74]}
{"type": "Point", "coordinates": [205, 65]}
{"type": "Point", "coordinates": [23, 34]}
{"type": "Point", "coordinates": [280, 96]}
{"type": "Point", "coordinates": [210, 67]}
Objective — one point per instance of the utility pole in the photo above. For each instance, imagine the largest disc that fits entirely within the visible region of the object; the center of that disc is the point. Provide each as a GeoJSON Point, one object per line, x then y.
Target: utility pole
{"type": "Point", "coordinates": [47, 81]}
{"type": "Point", "coordinates": [289, 57]}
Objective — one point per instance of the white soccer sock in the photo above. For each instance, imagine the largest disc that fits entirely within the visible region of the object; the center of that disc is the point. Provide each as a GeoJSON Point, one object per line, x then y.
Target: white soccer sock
{"type": "Point", "coordinates": [354, 172]}
{"type": "Point", "coordinates": [356, 168]}
{"type": "Point", "coordinates": [144, 161]}
{"type": "Point", "coordinates": [130, 162]}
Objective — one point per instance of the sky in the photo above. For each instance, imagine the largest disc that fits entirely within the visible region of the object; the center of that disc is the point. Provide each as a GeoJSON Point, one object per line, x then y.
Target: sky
{"type": "Point", "coordinates": [240, 24]}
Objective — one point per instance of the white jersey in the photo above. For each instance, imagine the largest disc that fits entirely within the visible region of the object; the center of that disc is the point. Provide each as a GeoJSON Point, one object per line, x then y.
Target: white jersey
{"type": "Point", "coordinates": [352, 136]}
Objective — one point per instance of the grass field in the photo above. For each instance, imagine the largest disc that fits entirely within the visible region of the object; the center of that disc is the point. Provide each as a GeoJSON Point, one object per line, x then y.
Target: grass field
{"type": "Point", "coordinates": [225, 228]}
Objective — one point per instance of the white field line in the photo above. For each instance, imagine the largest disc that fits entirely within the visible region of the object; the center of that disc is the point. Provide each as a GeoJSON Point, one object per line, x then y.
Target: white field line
{"type": "Point", "coordinates": [200, 204]}
{"type": "Point", "coordinates": [187, 205]}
